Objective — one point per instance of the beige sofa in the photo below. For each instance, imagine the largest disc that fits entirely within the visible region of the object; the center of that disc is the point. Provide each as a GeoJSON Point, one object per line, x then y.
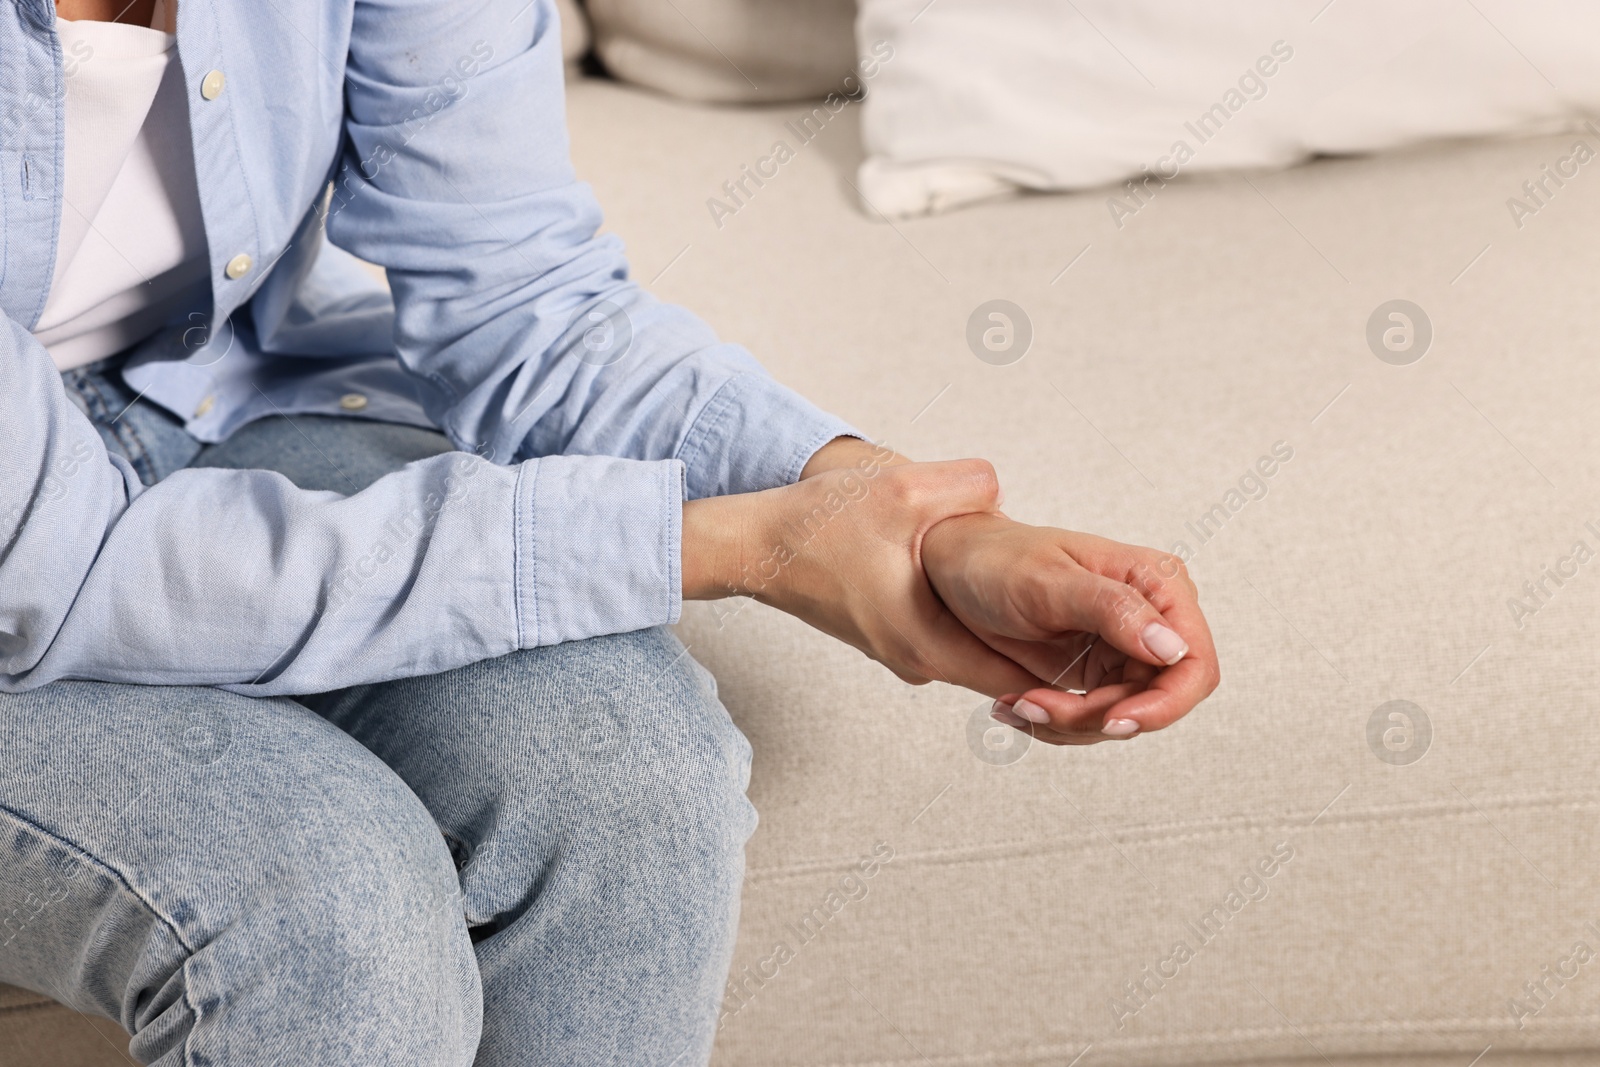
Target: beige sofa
{"type": "Point", "coordinates": [1029, 899]}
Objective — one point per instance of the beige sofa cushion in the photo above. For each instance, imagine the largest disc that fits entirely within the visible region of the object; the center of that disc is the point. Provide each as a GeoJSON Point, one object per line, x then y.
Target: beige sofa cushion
{"type": "Point", "coordinates": [728, 51]}
{"type": "Point", "coordinates": [12, 998]}
{"type": "Point", "coordinates": [1169, 356]}
{"type": "Point", "coordinates": [35, 1032]}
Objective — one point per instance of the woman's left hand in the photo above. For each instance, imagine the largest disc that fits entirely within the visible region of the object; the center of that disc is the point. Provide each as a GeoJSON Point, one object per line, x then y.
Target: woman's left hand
{"type": "Point", "coordinates": [1079, 612]}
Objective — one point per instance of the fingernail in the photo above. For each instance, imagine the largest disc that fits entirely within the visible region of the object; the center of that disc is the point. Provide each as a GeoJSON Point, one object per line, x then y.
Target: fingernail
{"type": "Point", "coordinates": [1120, 728]}
{"type": "Point", "coordinates": [1000, 498]}
{"type": "Point", "coordinates": [1008, 717]}
{"type": "Point", "coordinates": [1031, 711]}
{"type": "Point", "coordinates": [1164, 643]}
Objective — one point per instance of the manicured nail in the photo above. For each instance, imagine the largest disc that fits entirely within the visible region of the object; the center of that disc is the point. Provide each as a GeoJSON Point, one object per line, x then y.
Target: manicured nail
{"type": "Point", "coordinates": [1120, 728]}
{"type": "Point", "coordinates": [1010, 718]}
{"type": "Point", "coordinates": [1164, 643]}
{"type": "Point", "coordinates": [1031, 711]}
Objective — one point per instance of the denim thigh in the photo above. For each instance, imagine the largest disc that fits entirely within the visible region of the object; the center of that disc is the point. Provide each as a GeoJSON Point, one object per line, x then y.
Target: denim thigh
{"type": "Point", "coordinates": [233, 880]}
{"type": "Point", "coordinates": [145, 434]}
{"type": "Point", "coordinates": [592, 794]}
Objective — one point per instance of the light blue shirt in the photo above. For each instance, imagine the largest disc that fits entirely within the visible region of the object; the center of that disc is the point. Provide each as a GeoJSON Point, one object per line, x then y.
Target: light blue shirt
{"type": "Point", "coordinates": [585, 411]}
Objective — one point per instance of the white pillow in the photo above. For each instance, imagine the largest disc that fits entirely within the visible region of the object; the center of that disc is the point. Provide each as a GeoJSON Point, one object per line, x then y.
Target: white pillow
{"type": "Point", "coordinates": [985, 97]}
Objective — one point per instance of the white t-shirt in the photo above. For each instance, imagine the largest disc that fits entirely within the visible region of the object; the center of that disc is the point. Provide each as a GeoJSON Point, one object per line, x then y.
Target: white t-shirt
{"type": "Point", "coordinates": [131, 249]}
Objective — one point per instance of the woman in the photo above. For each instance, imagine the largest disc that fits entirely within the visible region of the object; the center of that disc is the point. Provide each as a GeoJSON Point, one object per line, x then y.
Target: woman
{"type": "Point", "coordinates": [343, 724]}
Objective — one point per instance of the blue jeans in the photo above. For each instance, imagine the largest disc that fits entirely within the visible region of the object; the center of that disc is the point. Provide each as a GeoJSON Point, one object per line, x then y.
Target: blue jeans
{"type": "Point", "coordinates": [531, 860]}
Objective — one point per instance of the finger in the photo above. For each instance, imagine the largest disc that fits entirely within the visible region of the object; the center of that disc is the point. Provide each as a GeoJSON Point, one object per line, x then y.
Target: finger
{"type": "Point", "coordinates": [1179, 603]}
{"type": "Point", "coordinates": [1043, 733]}
{"type": "Point", "coordinates": [1175, 691]}
{"type": "Point", "coordinates": [1135, 671]}
{"type": "Point", "coordinates": [1057, 662]}
{"type": "Point", "coordinates": [1084, 600]}
{"type": "Point", "coordinates": [1050, 737]}
{"type": "Point", "coordinates": [1071, 714]}
{"type": "Point", "coordinates": [1169, 697]}
{"type": "Point", "coordinates": [1104, 659]}
{"type": "Point", "coordinates": [1151, 573]}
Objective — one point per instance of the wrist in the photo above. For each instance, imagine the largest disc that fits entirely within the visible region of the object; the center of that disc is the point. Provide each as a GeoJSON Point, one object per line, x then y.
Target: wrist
{"type": "Point", "coordinates": [943, 544]}
{"type": "Point", "coordinates": [843, 452]}
{"type": "Point", "coordinates": [714, 529]}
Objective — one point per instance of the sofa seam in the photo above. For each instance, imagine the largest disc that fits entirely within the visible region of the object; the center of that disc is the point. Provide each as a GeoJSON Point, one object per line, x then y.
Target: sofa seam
{"type": "Point", "coordinates": [991, 853]}
{"type": "Point", "coordinates": [1032, 1053]}
{"type": "Point", "coordinates": [1502, 800]}
{"type": "Point", "coordinates": [32, 1005]}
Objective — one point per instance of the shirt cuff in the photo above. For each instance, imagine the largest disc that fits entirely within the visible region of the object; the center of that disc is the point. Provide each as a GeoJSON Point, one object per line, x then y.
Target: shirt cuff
{"type": "Point", "coordinates": [599, 547]}
{"type": "Point", "coordinates": [755, 434]}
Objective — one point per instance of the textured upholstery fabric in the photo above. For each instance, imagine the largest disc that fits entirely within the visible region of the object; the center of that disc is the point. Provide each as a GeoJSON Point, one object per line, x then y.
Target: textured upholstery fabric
{"type": "Point", "coordinates": [37, 1033]}
{"type": "Point", "coordinates": [1167, 358]}
{"type": "Point", "coordinates": [1165, 362]}
{"type": "Point", "coordinates": [12, 998]}
{"type": "Point", "coordinates": [728, 51]}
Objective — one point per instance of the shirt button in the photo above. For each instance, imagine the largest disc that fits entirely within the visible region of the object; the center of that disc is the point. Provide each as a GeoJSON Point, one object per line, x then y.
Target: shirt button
{"type": "Point", "coordinates": [205, 405]}
{"type": "Point", "coordinates": [211, 85]}
{"type": "Point", "coordinates": [353, 401]}
{"type": "Point", "coordinates": [239, 266]}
